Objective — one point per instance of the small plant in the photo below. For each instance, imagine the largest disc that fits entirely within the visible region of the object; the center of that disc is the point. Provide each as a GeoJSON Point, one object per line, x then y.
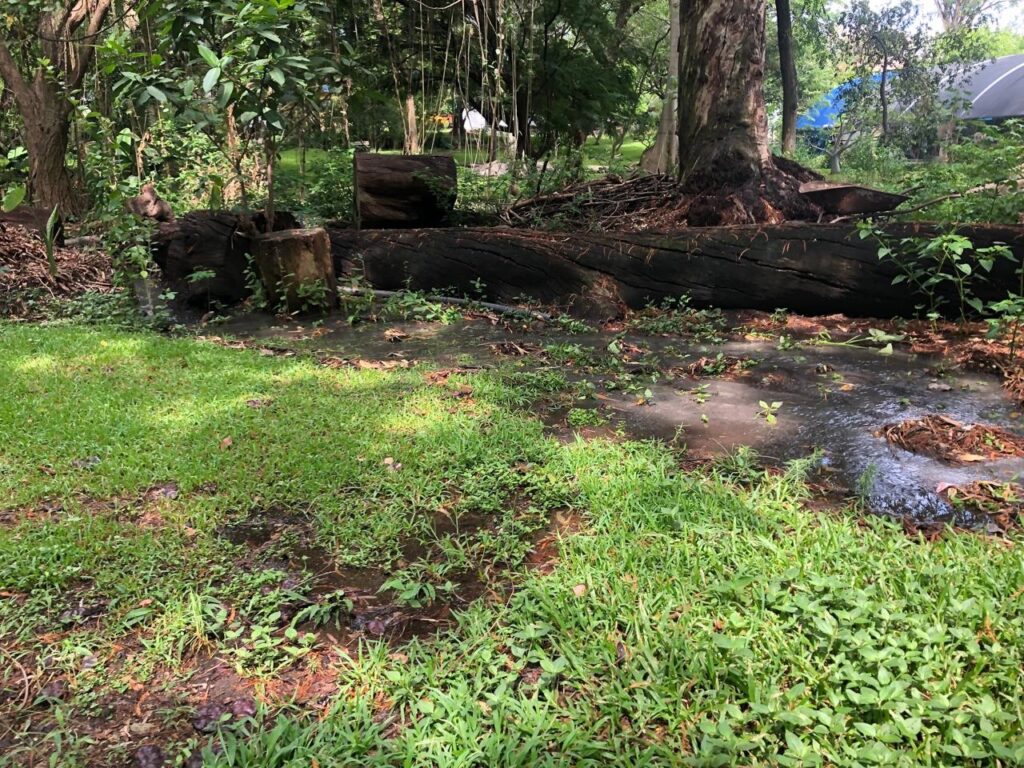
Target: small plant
{"type": "Point", "coordinates": [585, 417]}
{"type": "Point", "coordinates": [938, 268]}
{"type": "Point", "coordinates": [768, 411]}
{"type": "Point", "coordinates": [49, 240]}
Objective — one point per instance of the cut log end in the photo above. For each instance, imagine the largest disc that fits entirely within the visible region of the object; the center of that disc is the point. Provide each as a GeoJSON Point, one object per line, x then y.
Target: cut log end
{"type": "Point", "coordinates": [296, 269]}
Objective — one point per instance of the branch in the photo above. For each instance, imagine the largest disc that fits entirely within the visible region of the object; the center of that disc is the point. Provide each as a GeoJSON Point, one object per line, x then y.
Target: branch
{"type": "Point", "coordinates": [86, 48]}
{"type": "Point", "coordinates": [12, 75]}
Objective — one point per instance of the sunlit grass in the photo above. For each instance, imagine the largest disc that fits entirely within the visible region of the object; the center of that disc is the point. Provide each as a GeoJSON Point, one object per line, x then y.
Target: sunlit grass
{"type": "Point", "coordinates": [688, 619]}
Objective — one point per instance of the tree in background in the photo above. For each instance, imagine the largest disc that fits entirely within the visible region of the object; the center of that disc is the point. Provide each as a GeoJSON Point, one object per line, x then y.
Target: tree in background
{"type": "Point", "coordinates": [45, 53]}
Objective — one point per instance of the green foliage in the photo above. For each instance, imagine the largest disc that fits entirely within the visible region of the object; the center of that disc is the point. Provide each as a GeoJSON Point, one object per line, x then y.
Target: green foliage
{"type": "Point", "coordinates": [941, 270]}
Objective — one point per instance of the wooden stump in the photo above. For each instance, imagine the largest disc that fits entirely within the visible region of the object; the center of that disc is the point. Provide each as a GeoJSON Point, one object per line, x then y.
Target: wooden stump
{"type": "Point", "coordinates": [296, 269]}
{"type": "Point", "coordinates": [396, 191]}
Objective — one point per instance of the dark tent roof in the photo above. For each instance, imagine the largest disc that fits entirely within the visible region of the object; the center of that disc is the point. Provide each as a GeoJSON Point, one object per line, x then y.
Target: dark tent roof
{"type": "Point", "coordinates": [994, 90]}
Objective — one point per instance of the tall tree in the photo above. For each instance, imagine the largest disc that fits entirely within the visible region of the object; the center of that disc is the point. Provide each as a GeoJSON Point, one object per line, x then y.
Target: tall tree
{"type": "Point", "coordinates": [724, 158]}
{"type": "Point", "coordinates": [45, 53]}
{"type": "Point", "coordinates": [961, 15]}
{"type": "Point", "coordinates": [787, 67]}
{"type": "Point", "coordinates": [663, 155]}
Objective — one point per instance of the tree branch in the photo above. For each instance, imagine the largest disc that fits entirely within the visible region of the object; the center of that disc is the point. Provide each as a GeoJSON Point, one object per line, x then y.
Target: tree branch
{"type": "Point", "coordinates": [12, 75]}
{"type": "Point", "coordinates": [86, 47]}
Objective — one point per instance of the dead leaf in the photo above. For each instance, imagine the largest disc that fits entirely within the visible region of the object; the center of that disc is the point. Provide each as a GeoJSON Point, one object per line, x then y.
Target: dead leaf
{"type": "Point", "coordinates": [226, 443]}
{"type": "Point", "coordinates": [970, 457]}
{"type": "Point", "coordinates": [579, 590]}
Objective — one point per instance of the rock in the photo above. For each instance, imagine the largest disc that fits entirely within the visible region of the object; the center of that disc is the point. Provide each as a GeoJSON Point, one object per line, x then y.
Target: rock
{"type": "Point", "coordinates": [150, 756]}
{"type": "Point", "coordinates": [245, 707]}
{"type": "Point", "coordinates": [208, 717]}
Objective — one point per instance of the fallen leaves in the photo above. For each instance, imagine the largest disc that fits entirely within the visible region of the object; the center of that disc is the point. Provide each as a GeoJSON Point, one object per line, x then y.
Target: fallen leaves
{"type": "Point", "coordinates": [1002, 502]}
{"type": "Point", "coordinates": [947, 440]}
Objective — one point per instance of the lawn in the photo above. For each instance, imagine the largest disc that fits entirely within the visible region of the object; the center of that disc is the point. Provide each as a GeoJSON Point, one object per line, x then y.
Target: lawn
{"type": "Point", "coordinates": [170, 507]}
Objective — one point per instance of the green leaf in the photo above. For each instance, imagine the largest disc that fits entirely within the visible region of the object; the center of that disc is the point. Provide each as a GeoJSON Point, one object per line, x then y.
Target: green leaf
{"type": "Point", "coordinates": [277, 75]}
{"type": "Point", "coordinates": [14, 197]}
{"type": "Point", "coordinates": [157, 94]}
{"type": "Point", "coordinates": [266, 33]}
{"type": "Point", "coordinates": [209, 57]}
{"type": "Point", "coordinates": [211, 79]}
{"type": "Point", "coordinates": [247, 117]}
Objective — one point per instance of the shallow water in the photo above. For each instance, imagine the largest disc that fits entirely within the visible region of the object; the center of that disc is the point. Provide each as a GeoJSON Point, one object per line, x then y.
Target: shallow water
{"type": "Point", "coordinates": [834, 399]}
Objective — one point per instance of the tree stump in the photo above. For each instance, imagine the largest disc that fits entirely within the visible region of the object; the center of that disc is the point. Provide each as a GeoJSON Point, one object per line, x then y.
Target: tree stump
{"type": "Point", "coordinates": [395, 191]}
{"type": "Point", "coordinates": [296, 269]}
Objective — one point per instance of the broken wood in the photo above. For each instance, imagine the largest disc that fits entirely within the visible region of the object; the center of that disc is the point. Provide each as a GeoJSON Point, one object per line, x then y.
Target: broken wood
{"type": "Point", "coordinates": [849, 199]}
{"type": "Point", "coordinates": [807, 268]}
{"type": "Point", "coordinates": [296, 269]}
{"type": "Point", "coordinates": [409, 191]}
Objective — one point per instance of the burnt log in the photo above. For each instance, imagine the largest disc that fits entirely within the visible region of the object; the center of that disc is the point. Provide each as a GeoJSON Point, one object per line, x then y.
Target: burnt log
{"type": "Point", "coordinates": [404, 191]}
{"type": "Point", "coordinates": [204, 257]}
{"type": "Point", "coordinates": [807, 268]}
{"type": "Point", "coordinates": [296, 269]}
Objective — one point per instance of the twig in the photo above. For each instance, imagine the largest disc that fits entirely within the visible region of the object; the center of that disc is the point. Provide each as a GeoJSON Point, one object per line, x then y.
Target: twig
{"type": "Point", "coordinates": [502, 309]}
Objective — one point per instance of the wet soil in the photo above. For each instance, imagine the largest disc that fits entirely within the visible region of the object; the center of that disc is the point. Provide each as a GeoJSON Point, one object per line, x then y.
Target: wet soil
{"type": "Point", "coordinates": [711, 399]}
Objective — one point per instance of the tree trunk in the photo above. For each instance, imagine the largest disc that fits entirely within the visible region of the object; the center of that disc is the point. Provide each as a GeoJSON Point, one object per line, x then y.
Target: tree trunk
{"type": "Point", "coordinates": [663, 155]}
{"type": "Point", "coordinates": [809, 268]}
{"type": "Point", "coordinates": [412, 136]}
{"type": "Point", "coordinates": [724, 156]}
{"type": "Point", "coordinates": [46, 141]}
{"type": "Point", "coordinates": [787, 66]}
{"type": "Point", "coordinates": [723, 130]}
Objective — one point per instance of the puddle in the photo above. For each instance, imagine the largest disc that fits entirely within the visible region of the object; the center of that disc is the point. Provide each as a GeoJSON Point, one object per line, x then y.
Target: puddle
{"type": "Point", "coordinates": [833, 398]}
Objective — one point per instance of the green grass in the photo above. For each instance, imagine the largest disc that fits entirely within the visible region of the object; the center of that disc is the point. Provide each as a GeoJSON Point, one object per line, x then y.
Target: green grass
{"type": "Point", "coordinates": [694, 619]}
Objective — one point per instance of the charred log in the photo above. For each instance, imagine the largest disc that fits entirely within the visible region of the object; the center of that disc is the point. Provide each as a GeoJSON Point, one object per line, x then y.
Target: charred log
{"type": "Point", "coordinates": [396, 191]}
{"type": "Point", "coordinates": [808, 268]}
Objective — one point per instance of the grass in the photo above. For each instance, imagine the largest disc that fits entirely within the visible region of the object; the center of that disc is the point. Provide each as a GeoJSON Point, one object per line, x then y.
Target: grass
{"type": "Point", "coordinates": [688, 619]}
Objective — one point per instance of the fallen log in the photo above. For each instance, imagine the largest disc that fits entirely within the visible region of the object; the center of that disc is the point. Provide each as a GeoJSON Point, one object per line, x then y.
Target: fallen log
{"type": "Point", "coordinates": [204, 255]}
{"type": "Point", "coordinates": [397, 191]}
{"type": "Point", "coordinates": [807, 268]}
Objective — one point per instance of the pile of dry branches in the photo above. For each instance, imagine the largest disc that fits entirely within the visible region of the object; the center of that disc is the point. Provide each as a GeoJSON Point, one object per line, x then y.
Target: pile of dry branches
{"type": "Point", "coordinates": [634, 204]}
{"type": "Point", "coordinates": [25, 277]}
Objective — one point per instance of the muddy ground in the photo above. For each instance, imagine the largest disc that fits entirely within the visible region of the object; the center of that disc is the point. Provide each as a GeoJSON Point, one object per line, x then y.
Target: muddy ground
{"type": "Point", "coordinates": [712, 384]}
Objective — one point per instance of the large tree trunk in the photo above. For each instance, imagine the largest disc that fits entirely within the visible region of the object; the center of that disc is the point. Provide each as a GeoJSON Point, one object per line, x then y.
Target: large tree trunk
{"type": "Point", "coordinates": [663, 155]}
{"type": "Point", "coordinates": [46, 141]}
{"type": "Point", "coordinates": [808, 268]}
{"type": "Point", "coordinates": [723, 131]}
{"type": "Point", "coordinates": [787, 68]}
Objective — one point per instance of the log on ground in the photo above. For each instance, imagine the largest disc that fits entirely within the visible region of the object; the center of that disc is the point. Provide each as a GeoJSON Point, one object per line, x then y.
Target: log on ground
{"type": "Point", "coordinates": [296, 269]}
{"type": "Point", "coordinates": [807, 268]}
{"type": "Point", "coordinates": [396, 191]}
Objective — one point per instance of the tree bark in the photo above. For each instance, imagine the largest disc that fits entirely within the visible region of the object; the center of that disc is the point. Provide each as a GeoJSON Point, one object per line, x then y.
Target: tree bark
{"type": "Point", "coordinates": [787, 67]}
{"type": "Point", "coordinates": [395, 191]}
{"type": "Point", "coordinates": [723, 130]}
{"type": "Point", "coordinates": [808, 268]}
{"type": "Point", "coordinates": [663, 155]}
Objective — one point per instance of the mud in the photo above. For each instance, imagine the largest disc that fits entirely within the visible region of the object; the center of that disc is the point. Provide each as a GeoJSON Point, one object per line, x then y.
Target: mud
{"type": "Point", "coordinates": [834, 398]}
